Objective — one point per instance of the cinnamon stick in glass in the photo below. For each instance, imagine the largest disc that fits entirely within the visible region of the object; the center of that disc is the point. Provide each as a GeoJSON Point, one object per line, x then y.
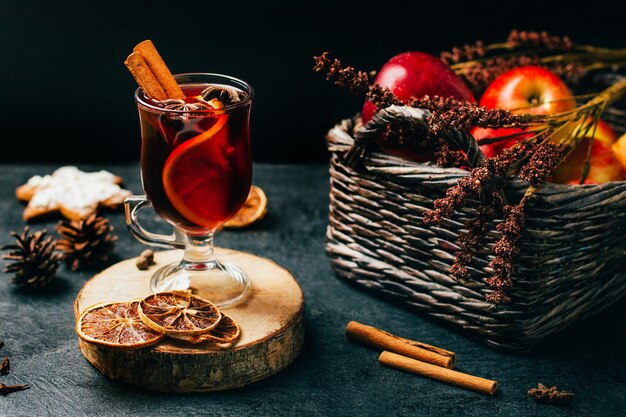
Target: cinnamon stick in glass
{"type": "Point", "coordinates": [144, 77]}
{"type": "Point", "coordinates": [460, 379]}
{"type": "Point", "coordinates": [156, 64]}
{"type": "Point", "coordinates": [380, 339]}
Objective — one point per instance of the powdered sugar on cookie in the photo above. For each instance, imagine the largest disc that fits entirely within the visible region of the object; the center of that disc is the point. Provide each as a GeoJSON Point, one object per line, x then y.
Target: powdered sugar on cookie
{"type": "Point", "coordinates": [72, 188]}
{"type": "Point", "coordinates": [70, 192]}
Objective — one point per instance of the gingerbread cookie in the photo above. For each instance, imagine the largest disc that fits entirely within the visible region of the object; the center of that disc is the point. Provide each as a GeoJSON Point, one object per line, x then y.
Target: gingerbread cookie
{"type": "Point", "coordinates": [71, 192]}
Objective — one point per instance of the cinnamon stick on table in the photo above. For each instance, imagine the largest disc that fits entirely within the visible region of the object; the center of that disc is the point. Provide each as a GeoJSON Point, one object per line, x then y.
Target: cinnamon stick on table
{"type": "Point", "coordinates": [380, 339]}
{"type": "Point", "coordinates": [460, 379]}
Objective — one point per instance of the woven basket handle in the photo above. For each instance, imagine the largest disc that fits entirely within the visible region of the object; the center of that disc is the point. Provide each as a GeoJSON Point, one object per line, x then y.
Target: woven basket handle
{"type": "Point", "coordinates": [416, 118]}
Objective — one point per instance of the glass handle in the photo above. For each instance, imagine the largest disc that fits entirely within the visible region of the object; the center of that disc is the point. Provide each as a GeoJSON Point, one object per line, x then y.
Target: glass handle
{"type": "Point", "coordinates": [132, 206]}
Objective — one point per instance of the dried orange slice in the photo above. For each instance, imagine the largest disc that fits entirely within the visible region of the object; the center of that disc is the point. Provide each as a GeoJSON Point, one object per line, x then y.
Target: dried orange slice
{"type": "Point", "coordinates": [254, 209]}
{"type": "Point", "coordinates": [116, 325]}
{"type": "Point", "coordinates": [227, 331]}
{"type": "Point", "coordinates": [178, 313]}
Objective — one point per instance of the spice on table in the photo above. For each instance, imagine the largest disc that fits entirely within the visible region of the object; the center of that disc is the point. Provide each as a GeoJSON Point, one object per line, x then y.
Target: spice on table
{"type": "Point", "coordinates": [142, 264]}
{"type": "Point", "coordinates": [145, 260]}
{"type": "Point", "coordinates": [460, 379]}
{"type": "Point", "coordinates": [148, 255]}
{"type": "Point", "coordinates": [5, 366]}
{"type": "Point", "coordinates": [380, 339]}
{"type": "Point", "coordinates": [543, 394]}
{"type": "Point", "coordinates": [7, 389]}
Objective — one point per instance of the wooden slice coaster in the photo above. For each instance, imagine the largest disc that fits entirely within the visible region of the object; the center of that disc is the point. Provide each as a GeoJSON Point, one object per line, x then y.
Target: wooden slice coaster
{"type": "Point", "coordinates": [271, 320]}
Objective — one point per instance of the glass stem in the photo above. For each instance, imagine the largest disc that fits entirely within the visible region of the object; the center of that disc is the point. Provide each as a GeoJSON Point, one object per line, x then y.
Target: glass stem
{"type": "Point", "coordinates": [199, 249]}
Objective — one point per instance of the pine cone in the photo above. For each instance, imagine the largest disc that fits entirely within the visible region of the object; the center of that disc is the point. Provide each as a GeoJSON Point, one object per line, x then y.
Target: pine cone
{"type": "Point", "coordinates": [34, 260]}
{"type": "Point", "coordinates": [85, 242]}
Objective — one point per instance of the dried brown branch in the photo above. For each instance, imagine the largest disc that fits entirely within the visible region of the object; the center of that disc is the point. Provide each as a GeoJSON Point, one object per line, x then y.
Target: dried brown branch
{"type": "Point", "coordinates": [551, 395]}
{"type": "Point", "coordinates": [531, 39]}
{"type": "Point", "coordinates": [7, 389]}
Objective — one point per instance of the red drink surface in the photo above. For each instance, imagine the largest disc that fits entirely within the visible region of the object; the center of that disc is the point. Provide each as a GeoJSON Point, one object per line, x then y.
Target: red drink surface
{"type": "Point", "coordinates": [196, 167]}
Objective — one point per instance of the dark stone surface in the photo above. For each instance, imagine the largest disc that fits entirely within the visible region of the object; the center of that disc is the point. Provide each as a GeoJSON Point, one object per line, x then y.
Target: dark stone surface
{"type": "Point", "coordinates": [331, 376]}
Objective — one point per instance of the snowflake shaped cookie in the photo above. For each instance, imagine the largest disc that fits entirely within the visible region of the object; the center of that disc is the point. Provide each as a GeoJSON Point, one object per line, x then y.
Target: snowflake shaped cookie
{"type": "Point", "coordinates": [71, 192]}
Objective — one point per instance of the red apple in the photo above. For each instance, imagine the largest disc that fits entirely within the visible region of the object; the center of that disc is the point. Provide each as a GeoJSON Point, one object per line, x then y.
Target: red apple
{"type": "Point", "coordinates": [603, 163]}
{"type": "Point", "coordinates": [416, 74]}
{"type": "Point", "coordinates": [527, 89]}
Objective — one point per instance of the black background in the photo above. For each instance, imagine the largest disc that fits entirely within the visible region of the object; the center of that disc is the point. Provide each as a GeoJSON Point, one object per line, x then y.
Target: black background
{"type": "Point", "coordinates": [67, 97]}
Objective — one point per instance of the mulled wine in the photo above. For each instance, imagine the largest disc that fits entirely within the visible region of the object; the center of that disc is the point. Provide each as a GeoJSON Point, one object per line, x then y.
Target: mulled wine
{"type": "Point", "coordinates": [196, 166]}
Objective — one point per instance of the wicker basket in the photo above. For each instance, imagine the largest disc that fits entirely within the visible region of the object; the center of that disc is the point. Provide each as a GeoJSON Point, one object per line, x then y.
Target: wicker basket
{"type": "Point", "coordinates": [571, 264]}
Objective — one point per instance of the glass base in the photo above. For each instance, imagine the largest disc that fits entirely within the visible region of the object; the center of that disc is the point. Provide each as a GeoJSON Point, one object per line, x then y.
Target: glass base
{"type": "Point", "coordinates": [218, 282]}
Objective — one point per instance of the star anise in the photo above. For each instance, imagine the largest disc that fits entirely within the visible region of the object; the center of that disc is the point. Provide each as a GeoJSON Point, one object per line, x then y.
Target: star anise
{"type": "Point", "coordinates": [178, 104]}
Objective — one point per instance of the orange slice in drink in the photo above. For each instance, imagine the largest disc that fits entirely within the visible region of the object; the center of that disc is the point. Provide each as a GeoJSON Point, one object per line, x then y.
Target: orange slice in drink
{"type": "Point", "coordinates": [194, 173]}
{"type": "Point", "coordinates": [253, 210]}
{"type": "Point", "coordinates": [178, 313]}
{"type": "Point", "coordinates": [226, 332]}
{"type": "Point", "coordinates": [116, 325]}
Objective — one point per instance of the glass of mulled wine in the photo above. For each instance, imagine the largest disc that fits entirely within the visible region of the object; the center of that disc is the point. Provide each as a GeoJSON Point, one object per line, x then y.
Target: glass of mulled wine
{"type": "Point", "coordinates": [196, 172]}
